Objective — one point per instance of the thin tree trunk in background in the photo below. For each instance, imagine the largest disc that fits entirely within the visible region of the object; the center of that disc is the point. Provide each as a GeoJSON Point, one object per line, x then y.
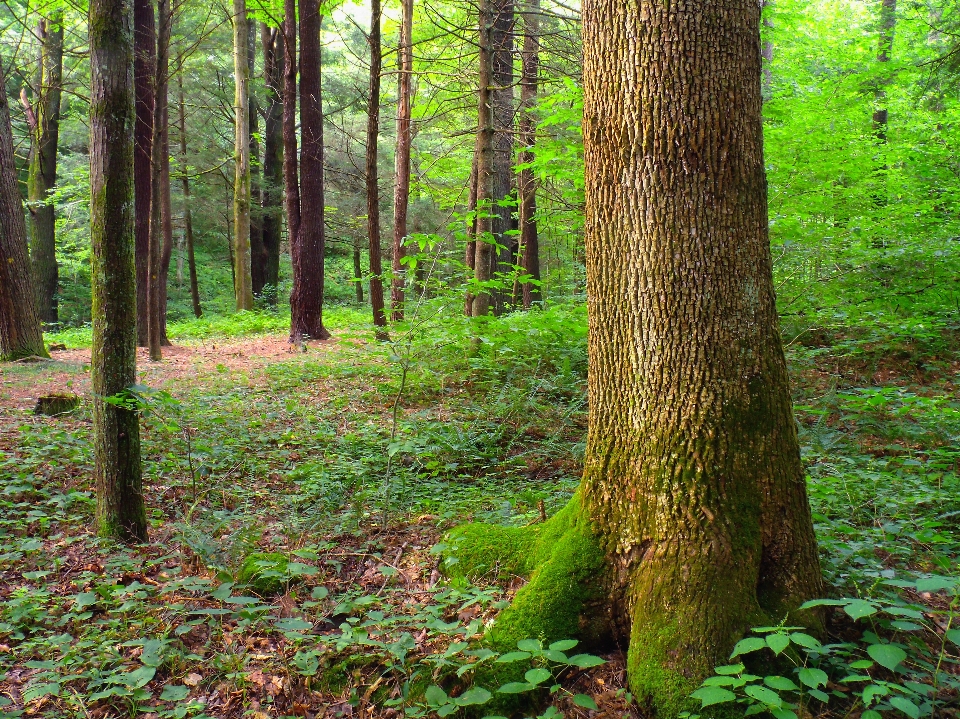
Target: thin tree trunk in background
{"type": "Point", "coordinates": [306, 300]}
{"type": "Point", "coordinates": [166, 217]}
{"type": "Point", "coordinates": [116, 430]}
{"type": "Point", "coordinates": [272, 178]}
{"type": "Point", "coordinates": [484, 255]}
{"type": "Point", "coordinates": [357, 270]}
{"type": "Point", "coordinates": [145, 74]}
{"type": "Point", "coordinates": [243, 286]}
{"type": "Point", "coordinates": [401, 188]}
{"type": "Point", "coordinates": [291, 173]}
{"type": "Point", "coordinates": [20, 333]}
{"type": "Point", "coordinates": [373, 189]}
{"type": "Point", "coordinates": [257, 268]}
{"type": "Point", "coordinates": [187, 216]}
{"type": "Point", "coordinates": [159, 157]}
{"type": "Point", "coordinates": [527, 183]}
{"type": "Point", "coordinates": [470, 257]}
{"type": "Point", "coordinates": [501, 97]}
{"type": "Point", "coordinates": [888, 22]}
{"type": "Point", "coordinates": [766, 52]}
{"type": "Point", "coordinates": [44, 120]}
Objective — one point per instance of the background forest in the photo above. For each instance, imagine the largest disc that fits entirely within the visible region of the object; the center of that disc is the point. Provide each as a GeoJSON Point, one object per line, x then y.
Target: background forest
{"type": "Point", "coordinates": [298, 498]}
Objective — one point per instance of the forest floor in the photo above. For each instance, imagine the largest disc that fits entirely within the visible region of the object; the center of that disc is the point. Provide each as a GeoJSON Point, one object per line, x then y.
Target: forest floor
{"type": "Point", "coordinates": [291, 467]}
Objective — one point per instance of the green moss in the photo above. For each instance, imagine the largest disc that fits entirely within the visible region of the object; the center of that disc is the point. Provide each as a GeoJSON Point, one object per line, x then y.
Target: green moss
{"type": "Point", "coordinates": [264, 572]}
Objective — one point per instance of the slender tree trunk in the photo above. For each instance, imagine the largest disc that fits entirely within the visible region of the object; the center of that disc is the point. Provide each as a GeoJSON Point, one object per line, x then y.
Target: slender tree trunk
{"type": "Point", "coordinates": [766, 52]}
{"type": "Point", "coordinates": [116, 431]}
{"type": "Point", "coordinates": [159, 158]}
{"type": "Point", "coordinates": [357, 270]}
{"type": "Point", "coordinates": [20, 333]}
{"type": "Point", "coordinates": [44, 120]}
{"type": "Point", "coordinates": [527, 184]}
{"type": "Point", "coordinates": [187, 216]}
{"type": "Point", "coordinates": [166, 217]}
{"type": "Point", "coordinates": [692, 520]}
{"type": "Point", "coordinates": [145, 74]}
{"type": "Point", "coordinates": [243, 286]}
{"type": "Point", "coordinates": [484, 255]}
{"type": "Point", "coordinates": [257, 263]}
{"type": "Point", "coordinates": [373, 189]}
{"type": "Point", "coordinates": [501, 97]}
{"type": "Point", "coordinates": [470, 257]}
{"type": "Point", "coordinates": [401, 188]}
{"type": "Point", "coordinates": [888, 23]}
{"type": "Point", "coordinates": [291, 173]}
{"type": "Point", "coordinates": [272, 182]}
{"type": "Point", "coordinates": [306, 300]}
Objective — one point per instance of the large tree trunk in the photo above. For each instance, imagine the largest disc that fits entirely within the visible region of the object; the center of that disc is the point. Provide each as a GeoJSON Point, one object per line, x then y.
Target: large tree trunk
{"type": "Point", "coordinates": [291, 173]}
{"type": "Point", "coordinates": [527, 184]}
{"type": "Point", "coordinates": [45, 128]}
{"type": "Point", "coordinates": [306, 300]}
{"type": "Point", "coordinates": [243, 285]}
{"type": "Point", "coordinates": [484, 256]}
{"type": "Point", "coordinates": [401, 187]}
{"type": "Point", "coordinates": [187, 215]}
{"type": "Point", "coordinates": [159, 157]}
{"type": "Point", "coordinates": [116, 431]}
{"type": "Point", "coordinates": [501, 97]}
{"type": "Point", "coordinates": [692, 519]}
{"type": "Point", "coordinates": [145, 74]}
{"type": "Point", "coordinates": [257, 265]}
{"type": "Point", "coordinates": [20, 334]}
{"type": "Point", "coordinates": [272, 180]}
{"type": "Point", "coordinates": [373, 189]}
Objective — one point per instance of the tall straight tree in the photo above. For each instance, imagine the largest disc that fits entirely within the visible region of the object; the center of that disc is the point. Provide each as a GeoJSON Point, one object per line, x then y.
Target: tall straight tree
{"type": "Point", "coordinates": [272, 177]}
{"type": "Point", "coordinates": [257, 256]}
{"type": "Point", "coordinates": [44, 121]}
{"type": "Point", "coordinates": [145, 75]}
{"type": "Point", "coordinates": [501, 97]}
{"type": "Point", "coordinates": [401, 185]}
{"type": "Point", "coordinates": [307, 248]}
{"type": "Point", "coordinates": [291, 173]}
{"type": "Point", "coordinates": [373, 187]}
{"type": "Point", "coordinates": [526, 182]}
{"type": "Point", "coordinates": [483, 255]}
{"type": "Point", "coordinates": [692, 518]}
{"type": "Point", "coordinates": [187, 213]}
{"type": "Point", "coordinates": [243, 284]}
{"type": "Point", "coordinates": [20, 334]}
{"type": "Point", "coordinates": [116, 430]}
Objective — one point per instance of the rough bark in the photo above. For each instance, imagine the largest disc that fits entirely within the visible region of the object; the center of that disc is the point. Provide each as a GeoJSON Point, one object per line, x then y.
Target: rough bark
{"type": "Point", "coordinates": [357, 270]}
{"type": "Point", "coordinates": [243, 286]}
{"type": "Point", "coordinates": [257, 268]}
{"type": "Point", "coordinates": [484, 255]}
{"type": "Point", "coordinates": [20, 334]}
{"type": "Point", "coordinates": [116, 433]}
{"type": "Point", "coordinates": [401, 186]}
{"type": "Point", "coordinates": [692, 520]}
{"type": "Point", "coordinates": [526, 183]}
{"type": "Point", "coordinates": [501, 97]}
{"type": "Point", "coordinates": [42, 175]}
{"type": "Point", "coordinates": [166, 218]}
{"type": "Point", "coordinates": [291, 174]}
{"type": "Point", "coordinates": [306, 300]}
{"type": "Point", "coordinates": [187, 214]}
{"type": "Point", "coordinates": [272, 179]}
{"type": "Point", "coordinates": [372, 178]}
{"type": "Point", "coordinates": [145, 74]}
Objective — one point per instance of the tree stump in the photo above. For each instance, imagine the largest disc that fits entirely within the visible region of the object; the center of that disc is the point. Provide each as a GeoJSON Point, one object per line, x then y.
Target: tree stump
{"type": "Point", "coordinates": [56, 404]}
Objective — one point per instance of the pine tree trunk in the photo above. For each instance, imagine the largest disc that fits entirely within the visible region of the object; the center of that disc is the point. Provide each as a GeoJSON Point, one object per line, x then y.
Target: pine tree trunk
{"type": "Point", "coordinates": [401, 188]}
{"type": "Point", "coordinates": [470, 255]}
{"type": "Point", "coordinates": [187, 215]}
{"type": "Point", "coordinates": [526, 183]}
{"type": "Point", "coordinates": [257, 257]}
{"type": "Point", "coordinates": [243, 285]}
{"type": "Point", "coordinates": [501, 97]}
{"type": "Point", "coordinates": [145, 74]}
{"type": "Point", "coordinates": [357, 271]}
{"type": "Point", "coordinates": [306, 300]}
{"type": "Point", "coordinates": [272, 181]}
{"type": "Point", "coordinates": [291, 173]}
{"type": "Point", "coordinates": [42, 176]}
{"type": "Point", "coordinates": [373, 189]}
{"type": "Point", "coordinates": [20, 333]}
{"type": "Point", "coordinates": [166, 217]}
{"type": "Point", "coordinates": [116, 432]}
{"type": "Point", "coordinates": [766, 52]}
{"type": "Point", "coordinates": [484, 256]}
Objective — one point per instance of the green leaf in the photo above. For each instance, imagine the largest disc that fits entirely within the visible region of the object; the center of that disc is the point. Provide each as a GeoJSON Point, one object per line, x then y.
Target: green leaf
{"type": "Point", "coordinates": [823, 603]}
{"type": "Point", "coordinates": [821, 696]}
{"type": "Point", "coordinates": [582, 700]}
{"type": "Point", "coordinates": [858, 609]}
{"type": "Point", "coordinates": [778, 642]}
{"type": "Point", "coordinates": [872, 691]}
{"type": "Point", "coordinates": [906, 706]}
{"type": "Point", "coordinates": [729, 669]}
{"type": "Point", "coordinates": [748, 645]}
{"type": "Point", "coordinates": [515, 688]}
{"type": "Point", "coordinates": [804, 640]}
{"type": "Point", "coordinates": [513, 657]}
{"type": "Point", "coordinates": [784, 713]}
{"type": "Point", "coordinates": [86, 599]}
{"type": "Point", "coordinates": [537, 676]}
{"type": "Point", "coordinates": [935, 584]}
{"type": "Point", "coordinates": [564, 645]}
{"type": "Point", "coordinates": [709, 696]}
{"type": "Point", "coordinates": [529, 645]}
{"type": "Point", "coordinates": [763, 695]}
{"type": "Point", "coordinates": [138, 677]}
{"type": "Point", "coordinates": [871, 714]}
{"type": "Point", "coordinates": [812, 677]}
{"type": "Point", "coordinates": [780, 683]}
{"type": "Point", "coordinates": [953, 635]}
{"type": "Point", "coordinates": [886, 655]}
{"type": "Point", "coordinates": [585, 661]}
{"type": "Point", "coordinates": [293, 625]}
{"type": "Point", "coordinates": [319, 592]}
{"type": "Point", "coordinates": [476, 695]}
{"type": "Point", "coordinates": [435, 696]}
{"type": "Point", "coordinates": [174, 693]}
